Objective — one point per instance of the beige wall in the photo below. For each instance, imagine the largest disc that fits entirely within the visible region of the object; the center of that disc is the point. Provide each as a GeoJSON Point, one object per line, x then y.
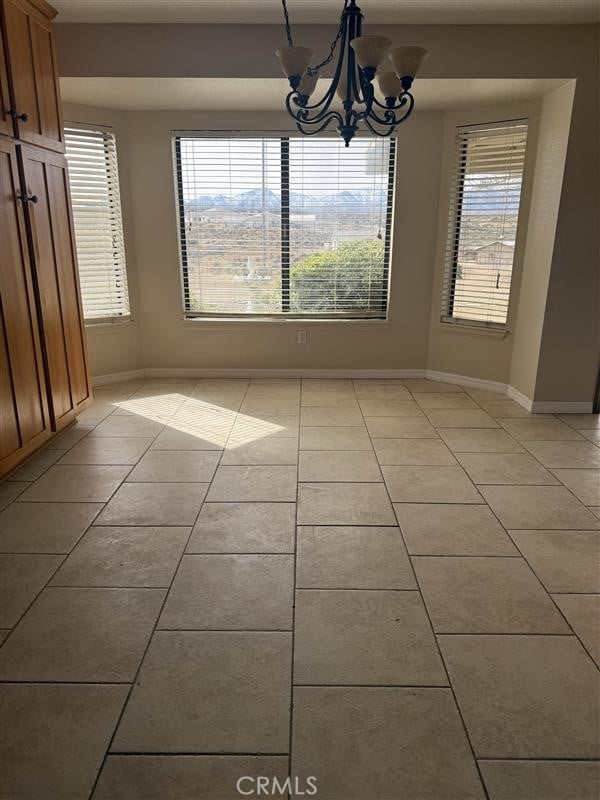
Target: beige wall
{"type": "Point", "coordinates": [569, 343]}
{"type": "Point", "coordinates": [571, 332]}
{"type": "Point", "coordinates": [541, 232]}
{"type": "Point", "coordinates": [168, 341]}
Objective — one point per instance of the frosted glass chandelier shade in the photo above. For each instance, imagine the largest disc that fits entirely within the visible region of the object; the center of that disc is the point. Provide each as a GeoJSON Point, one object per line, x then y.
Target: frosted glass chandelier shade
{"type": "Point", "coordinates": [342, 88]}
{"type": "Point", "coordinates": [294, 60]}
{"type": "Point", "coordinates": [389, 84]}
{"type": "Point", "coordinates": [308, 84]}
{"type": "Point", "coordinates": [341, 93]}
{"type": "Point", "coordinates": [407, 61]}
{"type": "Point", "coordinates": [370, 50]}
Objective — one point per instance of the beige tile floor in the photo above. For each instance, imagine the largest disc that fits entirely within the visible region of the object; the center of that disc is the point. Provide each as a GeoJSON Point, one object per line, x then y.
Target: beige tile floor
{"type": "Point", "coordinates": [392, 586]}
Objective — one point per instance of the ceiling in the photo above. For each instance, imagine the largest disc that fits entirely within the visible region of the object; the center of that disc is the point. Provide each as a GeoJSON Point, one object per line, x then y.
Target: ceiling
{"type": "Point", "coordinates": [259, 94]}
{"type": "Point", "coordinates": [437, 12]}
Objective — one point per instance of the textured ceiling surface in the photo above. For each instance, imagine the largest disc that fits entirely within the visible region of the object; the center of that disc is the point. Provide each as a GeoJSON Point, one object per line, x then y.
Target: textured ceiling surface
{"type": "Point", "coordinates": [438, 12]}
{"type": "Point", "coordinates": [256, 94]}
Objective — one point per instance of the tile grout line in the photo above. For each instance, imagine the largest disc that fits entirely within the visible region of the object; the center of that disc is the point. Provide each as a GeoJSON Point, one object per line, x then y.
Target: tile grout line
{"type": "Point", "coordinates": [437, 646]}
{"type": "Point", "coordinates": [547, 592]}
{"type": "Point", "coordinates": [43, 588]}
{"type": "Point", "coordinates": [554, 603]}
{"type": "Point", "coordinates": [554, 418]}
{"type": "Point", "coordinates": [295, 587]}
{"type": "Point", "coordinates": [192, 754]}
{"type": "Point", "coordinates": [91, 524]}
{"type": "Point", "coordinates": [94, 502]}
{"type": "Point", "coordinates": [592, 759]}
{"type": "Point", "coordinates": [66, 555]}
{"type": "Point", "coordinates": [153, 631]}
{"type": "Point", "coordinates": [294, 580]}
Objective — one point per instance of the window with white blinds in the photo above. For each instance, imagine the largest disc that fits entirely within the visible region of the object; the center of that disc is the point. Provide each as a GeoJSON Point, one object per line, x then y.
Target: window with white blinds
{"type": "Point", "coordinates": [273, 225]}
{"type": "Point", "coordinates": [94, 183]}
{"type": "Point", "coordinates": [484, 216]}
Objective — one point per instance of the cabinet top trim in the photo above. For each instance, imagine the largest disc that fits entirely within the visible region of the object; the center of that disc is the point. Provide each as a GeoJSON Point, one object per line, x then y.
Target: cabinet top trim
{"type": "Point", "coordinates": [41, 6]}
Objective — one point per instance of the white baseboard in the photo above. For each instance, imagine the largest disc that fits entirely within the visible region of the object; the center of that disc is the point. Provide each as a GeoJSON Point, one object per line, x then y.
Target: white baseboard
{"type": "Point", "coordinates": [542, 407]}
{"type": "Point", "coordinates": [194, 372]}
{"type": "Point", "coordinates": [285, 373]}
{"type": "Point", "coordinates": [118, 377]}
{"type": "Point", "coordinates": [549, 406]}
{"type": "Point", "coordinates": [534, 407]}
{"type": "Point", "coordinates": [464, 380]}
{"type": "Point", "coordinates": [519, 398]}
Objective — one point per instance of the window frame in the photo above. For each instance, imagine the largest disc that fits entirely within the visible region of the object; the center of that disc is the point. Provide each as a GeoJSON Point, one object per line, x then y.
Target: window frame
{"type": "Point", "coordinates": [281, 316]}
{"type": "Point", "coordinates": [455, 212]}
{"type": "Point", "coordinates": [113, 319]}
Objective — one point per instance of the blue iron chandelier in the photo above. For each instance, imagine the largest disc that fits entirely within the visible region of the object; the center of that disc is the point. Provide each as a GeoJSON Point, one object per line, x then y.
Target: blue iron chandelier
{"type": "Point", "coordinates": [360, 61]}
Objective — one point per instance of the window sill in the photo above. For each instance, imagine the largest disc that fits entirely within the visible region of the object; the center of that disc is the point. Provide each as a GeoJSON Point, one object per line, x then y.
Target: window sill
{"type": "Point", "coordinates": [240, 324]}
{"type": "Point", "coordinates": [473, 330]}
{"type": "Point", "coordinates": [110, 326]}
{"type": "Point", "coordinates": [235, 324]}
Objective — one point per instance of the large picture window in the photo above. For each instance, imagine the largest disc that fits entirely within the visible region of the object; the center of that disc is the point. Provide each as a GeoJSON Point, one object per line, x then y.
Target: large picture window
{"type": "Point", "coordinates": [484, 216]}
{"type": "Point", "coordinates": [284, 225]}
{"type": "Point", "coordinates": [94, 185]}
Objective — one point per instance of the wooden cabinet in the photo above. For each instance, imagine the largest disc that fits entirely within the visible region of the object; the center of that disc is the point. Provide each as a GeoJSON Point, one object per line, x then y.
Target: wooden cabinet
{"type": "Point", "coordinates": [53, 249]}
{"type": "Point", "coordinates": [6, 121]}
{"type": "Point", "coordinates": [35, 97]}
{"type": "Point", "coordinates": [44, 381]}
{"type": "Point", "coordinates": [24, 418]}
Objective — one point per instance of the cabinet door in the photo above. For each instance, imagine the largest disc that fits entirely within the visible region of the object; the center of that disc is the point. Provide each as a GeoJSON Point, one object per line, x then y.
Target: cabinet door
{"type": "Point", "coordinates": [24, 419]}
{"type": "Point", "coordinates": [55, 268]}
{"type": "Point", "coordinates": [6, 121]}
{"type": "Point", "coordinates": [32, 72]}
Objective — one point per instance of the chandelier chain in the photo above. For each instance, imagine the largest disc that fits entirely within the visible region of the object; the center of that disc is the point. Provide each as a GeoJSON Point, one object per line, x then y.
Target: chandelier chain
{"type": "Point", "coordinates": [288, 32]}
{"type": "Point", "coordinates": [312, 70]}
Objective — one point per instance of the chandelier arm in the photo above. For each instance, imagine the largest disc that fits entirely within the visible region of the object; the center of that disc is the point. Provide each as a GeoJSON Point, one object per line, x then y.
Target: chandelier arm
{"type": "Point", "coordinates": [388, 132]}
{"type": "Point", "coordinates": [351, 77]}
{"type": "Point", "coordinates": [324, 102]}
{"type": "Point", "coordinates": [403, 99]}
{"type": "Point", "coordinates": [369, 93]}
{"type": "Point", "coordinates": [387, 120]}
{"type": "Point", "coordinates": [411, 104]}
{"type": "Point", "coordinates": [301, 113]}
{"type": "Point", "coordinates": [332, 115]}
{"type": "Point", "coordinates": [390, 118]}
{"type": "Point", "coordinates": [360, 83]}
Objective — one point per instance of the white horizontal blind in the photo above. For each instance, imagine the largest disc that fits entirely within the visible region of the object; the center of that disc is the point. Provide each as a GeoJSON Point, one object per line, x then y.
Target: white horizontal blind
{"type": "Point", "coordinates": [94, 183]}
{"type": "Point", "coordinates": [278, 225]}
{"type": "Point", "coordinates": [484, 215]}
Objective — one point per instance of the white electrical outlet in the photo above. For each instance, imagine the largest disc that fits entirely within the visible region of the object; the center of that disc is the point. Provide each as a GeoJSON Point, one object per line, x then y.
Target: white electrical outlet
{"type": "Point", "coordinates": [301, 337]}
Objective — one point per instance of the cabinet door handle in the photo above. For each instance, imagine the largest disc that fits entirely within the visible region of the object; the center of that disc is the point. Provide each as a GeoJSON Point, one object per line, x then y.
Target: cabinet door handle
{"type": "Point", "coordinates": [15, 115]}
{"type": "Point", "coordinates": [28, 198]}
